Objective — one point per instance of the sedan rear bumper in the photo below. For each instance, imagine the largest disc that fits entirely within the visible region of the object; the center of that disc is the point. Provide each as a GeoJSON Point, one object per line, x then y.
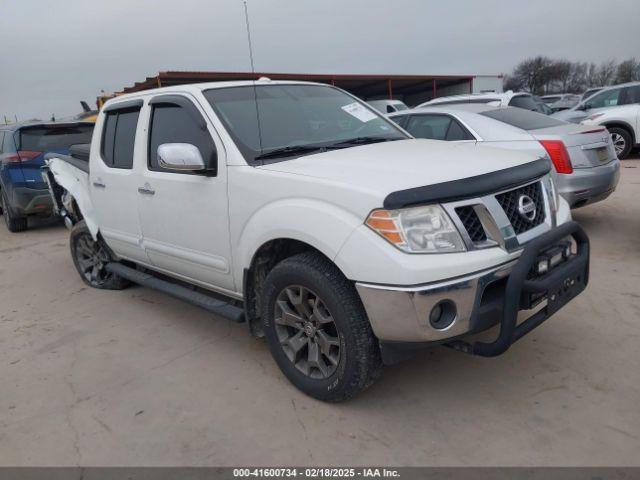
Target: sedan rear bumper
{"type": "Point", "coordinates": [589, 185]}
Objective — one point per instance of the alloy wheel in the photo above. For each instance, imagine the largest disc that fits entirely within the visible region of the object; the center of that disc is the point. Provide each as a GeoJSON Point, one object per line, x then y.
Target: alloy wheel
{"type": "Point", "coordinates": [92, 258]}
{"type": "Point", "coordinates": [307, 332]}
{"type": "Point", "coordinates": [619, 143]}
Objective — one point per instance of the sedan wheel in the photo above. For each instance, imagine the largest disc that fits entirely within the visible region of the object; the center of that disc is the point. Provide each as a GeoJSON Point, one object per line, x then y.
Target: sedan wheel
{"type": "Point", "coordinates": [622, 141]}
{"type": "Point", "coordinates": [618, 143]}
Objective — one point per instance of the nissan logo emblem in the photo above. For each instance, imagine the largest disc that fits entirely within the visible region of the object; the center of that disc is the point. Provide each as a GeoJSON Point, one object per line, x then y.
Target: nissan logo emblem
{"type": "Point", "coordinates": [526, 208]}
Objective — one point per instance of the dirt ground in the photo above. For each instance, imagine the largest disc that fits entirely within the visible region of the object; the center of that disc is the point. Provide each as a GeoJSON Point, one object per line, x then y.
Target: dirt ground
{"type": "Point", "coordinates": [91, 377]}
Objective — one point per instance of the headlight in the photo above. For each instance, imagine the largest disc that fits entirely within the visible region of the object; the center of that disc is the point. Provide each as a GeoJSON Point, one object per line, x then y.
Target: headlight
{"type": "Point", "coordinates": [425, 229]}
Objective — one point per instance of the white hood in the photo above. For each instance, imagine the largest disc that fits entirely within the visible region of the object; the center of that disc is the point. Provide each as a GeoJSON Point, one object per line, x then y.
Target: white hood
{"type": "Point", "coordinates": [391, 166]}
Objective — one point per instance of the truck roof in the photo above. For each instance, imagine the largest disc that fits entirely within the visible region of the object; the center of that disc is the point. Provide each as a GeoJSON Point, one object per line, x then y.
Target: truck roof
{"type": "Point", "coordinates": [196, 87]}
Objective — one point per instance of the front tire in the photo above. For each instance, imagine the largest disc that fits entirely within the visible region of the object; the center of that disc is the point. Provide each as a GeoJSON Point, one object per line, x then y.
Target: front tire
{"type": "Point", "coordinates": [317, 329]}
{"type": "Point", "coordinates": [14, 223]}
{"type": "Point", "coordinates": [90, 258]}
{"type": "Point", "coordinates": [621, 141]}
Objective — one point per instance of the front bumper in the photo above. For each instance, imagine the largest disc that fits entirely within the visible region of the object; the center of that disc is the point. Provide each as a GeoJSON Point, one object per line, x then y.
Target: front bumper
{"type": "Point", "coordinates": [482, 300]}
{"type": "Point", "coordinates": [31, 201]}
{"type": "Point", "coordinates": [589, 185]}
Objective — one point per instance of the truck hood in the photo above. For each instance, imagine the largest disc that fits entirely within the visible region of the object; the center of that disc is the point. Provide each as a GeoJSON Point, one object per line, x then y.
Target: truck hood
{"type": "Point", "coordinates": [391, 166]}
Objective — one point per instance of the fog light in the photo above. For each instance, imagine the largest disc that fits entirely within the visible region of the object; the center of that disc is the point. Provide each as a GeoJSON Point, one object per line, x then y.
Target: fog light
{"type": "Point", "coordinates": [543, 266]}
{"type": "Point", "coordinates": [442, 314]}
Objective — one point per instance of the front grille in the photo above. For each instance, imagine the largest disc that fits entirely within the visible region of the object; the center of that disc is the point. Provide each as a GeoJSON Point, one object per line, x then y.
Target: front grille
{"type": "Point", "coordinates": [472, 224]}
{"type": "Point", "coordinates": [509, 201]}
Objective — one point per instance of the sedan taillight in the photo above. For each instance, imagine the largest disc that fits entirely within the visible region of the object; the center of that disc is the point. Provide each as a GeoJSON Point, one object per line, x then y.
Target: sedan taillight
{"type": "Point", "coordinates": [558, 154]}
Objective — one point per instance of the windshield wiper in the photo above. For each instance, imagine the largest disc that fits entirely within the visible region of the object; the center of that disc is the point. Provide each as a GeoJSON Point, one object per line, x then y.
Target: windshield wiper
{"type": "Point", "coordinates": [363, 141]}
{"type": "Point", "coordinates": [290, 150]}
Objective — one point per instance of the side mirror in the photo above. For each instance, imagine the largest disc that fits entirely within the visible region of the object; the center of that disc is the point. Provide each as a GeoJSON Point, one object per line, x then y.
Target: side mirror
{"type": "Point", "coordinates": [180, 156]}
{"type": "Point", "coordinates": [583, 107]}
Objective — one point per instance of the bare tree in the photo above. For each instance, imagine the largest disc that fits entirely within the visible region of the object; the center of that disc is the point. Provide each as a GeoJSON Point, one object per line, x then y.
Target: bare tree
{"type": "Point", "coordinates": [606, 73]}
{"type": "Point", "coordinates": [509, 82]}
{"type": "Point", "coordinates": [532, 74]}
{"type": "Point", "coordinates": [546, 75]}
{"type": "Point", "coordinates": [628, 71]}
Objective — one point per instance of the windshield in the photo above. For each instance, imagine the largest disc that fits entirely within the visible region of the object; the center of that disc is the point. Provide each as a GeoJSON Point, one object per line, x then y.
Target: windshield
{"type": "Point", "coordinates": [43, 139]}
{"type": "Point", "coordinates": [296, 116]}
{"type": "Point", "coordinates": [524, 119]}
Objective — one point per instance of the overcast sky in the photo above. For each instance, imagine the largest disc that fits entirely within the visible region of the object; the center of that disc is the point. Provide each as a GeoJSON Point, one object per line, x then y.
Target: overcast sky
{"type": "Point", "coordinates": [56, 53]}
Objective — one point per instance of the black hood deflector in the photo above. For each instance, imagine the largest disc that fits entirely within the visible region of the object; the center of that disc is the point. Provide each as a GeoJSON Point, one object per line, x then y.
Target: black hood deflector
{"type": "Point", "coordinates": [469, 187]}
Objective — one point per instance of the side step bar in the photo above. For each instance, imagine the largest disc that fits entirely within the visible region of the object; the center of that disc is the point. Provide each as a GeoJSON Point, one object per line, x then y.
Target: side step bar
{"type": "Point", "coordinates": [219, 307]}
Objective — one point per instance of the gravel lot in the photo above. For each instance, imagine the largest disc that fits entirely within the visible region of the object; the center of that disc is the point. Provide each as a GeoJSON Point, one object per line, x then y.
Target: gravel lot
{"type": "Point", "coordinates": [137, 378]}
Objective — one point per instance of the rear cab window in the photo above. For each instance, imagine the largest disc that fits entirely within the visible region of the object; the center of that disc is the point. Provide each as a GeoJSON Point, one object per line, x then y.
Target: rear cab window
{"type": "Point", "coordinates": [118, 137]}
{"type": "Point", "coordinates": [524, 119]}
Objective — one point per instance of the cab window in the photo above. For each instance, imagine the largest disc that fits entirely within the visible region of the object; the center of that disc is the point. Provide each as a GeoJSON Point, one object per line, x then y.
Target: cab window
{"type": "Point", "coordinates": [174, 124]}
{"type": "Point", "coordinates": [118, 138]}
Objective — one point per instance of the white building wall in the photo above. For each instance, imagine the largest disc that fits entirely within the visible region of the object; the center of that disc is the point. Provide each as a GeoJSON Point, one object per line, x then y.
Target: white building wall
{"type": "Point", "coordinates": [487, 83]}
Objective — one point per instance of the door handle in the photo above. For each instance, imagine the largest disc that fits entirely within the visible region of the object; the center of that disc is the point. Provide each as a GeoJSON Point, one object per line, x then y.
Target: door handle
{"type": "Point", "coordinates": [146, 190]}
{"type": "Point", "coordinates": [99, 184]}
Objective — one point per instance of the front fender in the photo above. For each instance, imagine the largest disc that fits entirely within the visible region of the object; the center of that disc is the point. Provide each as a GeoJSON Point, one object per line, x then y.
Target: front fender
{"type": "Point", "coordinates": [76, 182]}
{"type": "Point", "coordinates": [322, 225]}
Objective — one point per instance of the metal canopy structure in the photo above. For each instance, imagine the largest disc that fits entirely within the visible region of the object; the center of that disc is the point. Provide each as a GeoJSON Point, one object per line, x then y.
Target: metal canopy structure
{"type": "Point", "coordinates": [410, 88]}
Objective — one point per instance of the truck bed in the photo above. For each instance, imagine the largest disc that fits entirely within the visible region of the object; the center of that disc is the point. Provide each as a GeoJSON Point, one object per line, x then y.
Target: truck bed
{"type": "Point", "coordinates": [79, 157]}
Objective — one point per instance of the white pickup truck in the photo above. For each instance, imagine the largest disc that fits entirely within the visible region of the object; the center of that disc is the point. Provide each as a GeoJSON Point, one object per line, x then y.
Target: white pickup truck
{"type": "Point", "coordinates": [298, 209]}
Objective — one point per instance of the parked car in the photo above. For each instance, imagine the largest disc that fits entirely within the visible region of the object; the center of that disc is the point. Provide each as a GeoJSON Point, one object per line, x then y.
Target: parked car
{"type": "Point", "coordinates": [586, 167]}
{"type": "Point", "coordinates": [23, 192]}
{"type": "Point", "coordinates": [320, 223]}
{"type": "Point", "coordinates": [509, 98]}
{"type": "Point", "coordinates": [542, 107]}
{"type": "Point", "coordinates": [388, 106]}
{"type": "Point", "coordinates": [590, 92]}
{"type": "Point", "coordinates": [561, 101]}
{"type": "Point", "coordinates": [623, 94]}
{"type": "Point", "coordinates": [623, 124]}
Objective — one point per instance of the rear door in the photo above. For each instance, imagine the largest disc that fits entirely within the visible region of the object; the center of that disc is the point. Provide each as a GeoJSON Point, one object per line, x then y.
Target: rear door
{"type": "Point", "coordinates": [113, 180]}
{"type": "Point", "coordinates": [184, 215]}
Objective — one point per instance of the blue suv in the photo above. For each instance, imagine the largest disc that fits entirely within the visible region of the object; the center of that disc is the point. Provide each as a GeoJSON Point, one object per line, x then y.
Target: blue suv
{"type": "Point", "coordinates": [23, 192]}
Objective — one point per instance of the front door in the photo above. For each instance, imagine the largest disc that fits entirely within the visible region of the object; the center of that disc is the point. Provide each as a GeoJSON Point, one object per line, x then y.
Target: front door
{"type": "Point", "coordinates": [184, 215]}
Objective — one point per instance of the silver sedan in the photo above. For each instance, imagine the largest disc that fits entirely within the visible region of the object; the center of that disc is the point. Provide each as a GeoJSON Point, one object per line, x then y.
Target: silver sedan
{"type": "Point", "coordinates": [586, 166]}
